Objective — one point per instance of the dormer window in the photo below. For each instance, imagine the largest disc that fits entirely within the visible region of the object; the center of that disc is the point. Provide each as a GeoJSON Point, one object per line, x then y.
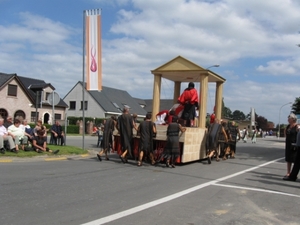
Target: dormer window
{"type": "Point", "coordinates": [118, 107]}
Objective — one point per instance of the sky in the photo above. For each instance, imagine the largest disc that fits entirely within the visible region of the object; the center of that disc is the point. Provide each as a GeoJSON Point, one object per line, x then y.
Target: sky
{"type": "Point", "coordinates": [254, 42]}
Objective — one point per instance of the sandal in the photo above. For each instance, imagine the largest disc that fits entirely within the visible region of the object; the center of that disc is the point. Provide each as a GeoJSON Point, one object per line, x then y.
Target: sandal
{"type": "Point", "coordinates": [122, 159]}
{"type": "Point", "coordinates": [139, 163]}
{"type": "Point", "coordinates": [99, 157]}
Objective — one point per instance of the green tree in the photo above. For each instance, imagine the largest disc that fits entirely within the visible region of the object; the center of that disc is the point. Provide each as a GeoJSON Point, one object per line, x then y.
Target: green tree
{"type": "Point", "coordinates": [226, 113]}
{"type": "Point", "coordinates": [238, 115]}
{"type": "Point", "coordinates": [296, 106]}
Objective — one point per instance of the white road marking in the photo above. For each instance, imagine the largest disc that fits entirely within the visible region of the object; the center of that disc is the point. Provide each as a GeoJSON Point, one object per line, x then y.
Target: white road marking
{"type": "Point", "coordinates": [257, 189]}
{"type": "Point", "coordinates": [148, 205]}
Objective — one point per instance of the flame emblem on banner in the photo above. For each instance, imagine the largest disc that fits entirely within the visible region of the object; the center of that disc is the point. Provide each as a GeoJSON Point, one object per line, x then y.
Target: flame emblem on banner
{"type": "Point", "coordinates": [93, 66]}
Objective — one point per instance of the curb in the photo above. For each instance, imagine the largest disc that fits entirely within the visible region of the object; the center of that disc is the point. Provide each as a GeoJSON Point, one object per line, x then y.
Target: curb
{"type": "Point", "coordinates": [5, 160]}
{"type": "Point", "coordinates": [45, 158]}
{"type": "Point", "coordinates": [56, 159]}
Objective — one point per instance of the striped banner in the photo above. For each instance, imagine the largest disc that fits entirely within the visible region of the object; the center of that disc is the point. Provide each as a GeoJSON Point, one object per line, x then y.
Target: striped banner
{"type": "Point", "coordinates": [93, 62]}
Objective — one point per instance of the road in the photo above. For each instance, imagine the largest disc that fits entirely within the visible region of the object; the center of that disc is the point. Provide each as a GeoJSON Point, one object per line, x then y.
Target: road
{"type": "Point", "coordinates": [245, 190]}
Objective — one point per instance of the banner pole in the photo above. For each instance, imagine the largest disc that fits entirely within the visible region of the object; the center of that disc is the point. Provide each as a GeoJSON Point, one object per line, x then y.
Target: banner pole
{"type": "Point", "coordinates": [83, 79]}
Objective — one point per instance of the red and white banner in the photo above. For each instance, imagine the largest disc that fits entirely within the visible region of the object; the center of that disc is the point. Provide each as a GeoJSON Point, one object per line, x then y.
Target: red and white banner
{"type": "Point", "coordinates": [93, 62]}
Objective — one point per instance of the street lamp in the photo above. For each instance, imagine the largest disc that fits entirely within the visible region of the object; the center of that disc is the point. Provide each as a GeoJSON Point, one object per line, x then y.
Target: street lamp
{"type": "Point", "coordinates": [212, 66]}
{"type": "Point", "coordinates": [279, 118]}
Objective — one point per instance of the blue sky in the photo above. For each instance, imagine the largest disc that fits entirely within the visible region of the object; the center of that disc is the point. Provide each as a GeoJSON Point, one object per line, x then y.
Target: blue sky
{"type": "Point", "coordinates": [255, 43]}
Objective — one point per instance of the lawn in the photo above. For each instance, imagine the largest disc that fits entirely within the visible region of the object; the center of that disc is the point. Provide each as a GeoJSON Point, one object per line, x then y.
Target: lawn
{"type": "Point", "coordinates": [63, 150]}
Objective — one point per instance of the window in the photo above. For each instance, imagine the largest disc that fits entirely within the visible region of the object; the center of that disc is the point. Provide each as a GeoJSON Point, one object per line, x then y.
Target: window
{"type": "Point", "coordinates": [47, 95]}
{"type": "Point", "coordinates": [20, 115]}
{"type": "Point", "coordinates": [126, 106]}
{"type": "Point", "coordinates": [3, 113]}
{"type": "Point", "coordinates": [85, 105]}
{"type": "Point", "coordinates": [72, 105]}
{"type": "Point", "coordinates": [118, 107]}
{"type": "Point", "coordinates": [57, 116]}
{"type": "Point", "coordinates": [33, 116]}
{"type": "Point", "coordinates": [12, 90]}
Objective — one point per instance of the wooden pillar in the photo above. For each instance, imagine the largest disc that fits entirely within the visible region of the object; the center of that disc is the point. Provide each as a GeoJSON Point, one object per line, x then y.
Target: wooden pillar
{"type": "Point", "coordinates": [177, 85]}
{"type": "Point", "coordinates": [218, 100]}
{"type": "Point", "coordinates": [203, 99]}
{"type": "Point", "coordinates": [156, 96]}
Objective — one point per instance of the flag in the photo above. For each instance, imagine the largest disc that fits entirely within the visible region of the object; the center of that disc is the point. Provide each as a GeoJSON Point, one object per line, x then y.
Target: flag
{"type": "Point", "coordinates": [93, 64]}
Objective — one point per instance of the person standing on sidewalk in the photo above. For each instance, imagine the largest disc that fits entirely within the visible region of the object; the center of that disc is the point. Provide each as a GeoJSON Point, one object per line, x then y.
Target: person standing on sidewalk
{"type": "Point", "coordinates": [296, 167]}
{"type": "Point", "coordinates": [290, 141]}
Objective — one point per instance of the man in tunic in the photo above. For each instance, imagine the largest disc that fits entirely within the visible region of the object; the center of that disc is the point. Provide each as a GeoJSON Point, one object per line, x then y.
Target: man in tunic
{"type": "Point", "coordinates": [106, 142]}
{"type": "Point", "coordinates": [125, 125]}
{"type": "Point", "coordinates": [172, 149]}
{"type": "Point", "coordinates": [212, 140]}
{"type": "Point", "coordinates": [147, 129]}
{"type": "Point", "coordinates": [233, 135]}
{"type": "Point", "coordinates": [189, 98]}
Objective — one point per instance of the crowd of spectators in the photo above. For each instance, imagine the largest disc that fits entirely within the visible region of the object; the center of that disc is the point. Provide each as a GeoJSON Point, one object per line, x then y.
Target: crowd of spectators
{"type": "Point", "coordinates": [16, 135]}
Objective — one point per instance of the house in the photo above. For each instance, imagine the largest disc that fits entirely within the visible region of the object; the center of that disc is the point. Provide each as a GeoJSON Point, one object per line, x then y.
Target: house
{"type": "Point", "coordinates": [101, 104]}
{"type": "Point", "coordinates": [18, 101]}
{"type": "Point", "coordinates": [165, 104]}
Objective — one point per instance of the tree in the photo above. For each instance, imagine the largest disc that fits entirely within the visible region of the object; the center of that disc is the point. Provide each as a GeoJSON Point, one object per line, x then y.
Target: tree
{"type": "Point", "coordinates": [238, 115]}
{"type": "Point", "coordinates": [262, 122]}
{"type": "Point", "coordinates": [226, 113]}
{"type": "Point", "coordinates": [296, 106]}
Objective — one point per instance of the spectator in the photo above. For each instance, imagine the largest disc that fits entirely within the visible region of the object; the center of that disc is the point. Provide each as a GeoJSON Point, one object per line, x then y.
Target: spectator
{"type": "Point", "coordinates": [290, 141]}
{"type": "Point", "coordinates": [245, 134]}
{"type": "Point", "coordinates": [17, 133]}
{"type": "Point", "coordinates": [39, 126]}
{"type": "Point", "coordinates": [95, 129]}
{"type": "Point", "coordinates": [5, 137]}
{"type": "Point", "coordinates": [254, 133]}
{"type": "Point", "coordinates": [57, 132]}
{"type": "Point", "coordinates": [271, 133]}
{"type": "Point", "coordinates": [8, 122]}
{"type": "Point", "coordinates": [39, 143]}
{"type": "Point", "coordinates": [28, 131]}
{"type": "Point", "coordinates": [296, 167]}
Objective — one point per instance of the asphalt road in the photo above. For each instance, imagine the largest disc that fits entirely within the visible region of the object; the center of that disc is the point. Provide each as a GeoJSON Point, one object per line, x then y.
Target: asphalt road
{"type": "Point", "coordinates": [245, 190]}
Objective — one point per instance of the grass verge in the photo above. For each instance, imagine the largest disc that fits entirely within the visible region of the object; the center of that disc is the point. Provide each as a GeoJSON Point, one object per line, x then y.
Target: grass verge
{"type": "Point", "coordinates": [63, 150]}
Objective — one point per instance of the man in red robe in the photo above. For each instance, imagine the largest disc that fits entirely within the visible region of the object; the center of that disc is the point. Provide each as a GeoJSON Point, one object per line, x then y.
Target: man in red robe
{"type": "Point", "coordinates": [189, 99]}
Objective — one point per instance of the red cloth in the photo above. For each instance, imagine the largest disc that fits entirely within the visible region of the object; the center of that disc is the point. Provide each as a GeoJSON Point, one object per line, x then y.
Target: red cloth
{"type": "Point", "coordinates": [189, 95]}
{"type": "Point", "coordinates": [179, 109]}
{"type": "Point", "coordinates": [169, 119]}
{"type": "Point", "coordinates": [212, 118]}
